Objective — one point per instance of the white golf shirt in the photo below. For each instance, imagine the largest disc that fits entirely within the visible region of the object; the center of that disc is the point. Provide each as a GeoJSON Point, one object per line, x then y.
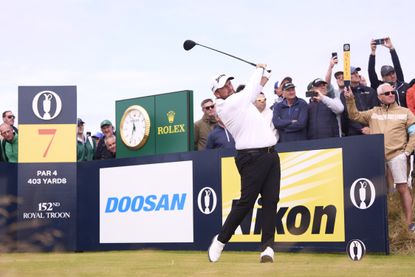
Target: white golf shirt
{"type": "Point", "coordinates": [243, 120]}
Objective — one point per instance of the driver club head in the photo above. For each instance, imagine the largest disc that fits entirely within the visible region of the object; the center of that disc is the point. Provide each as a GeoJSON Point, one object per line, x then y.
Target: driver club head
{"type": "Point", "coordinates": [189, 44]}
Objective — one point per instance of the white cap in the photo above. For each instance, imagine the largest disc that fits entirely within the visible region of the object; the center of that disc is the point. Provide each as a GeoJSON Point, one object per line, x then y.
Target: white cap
{"type": "Point", "coordinates": [219, 81]}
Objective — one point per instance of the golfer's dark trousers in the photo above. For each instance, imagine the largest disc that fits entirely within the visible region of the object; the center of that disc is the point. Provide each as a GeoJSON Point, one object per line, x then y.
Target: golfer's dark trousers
{"type": "Point", "coordinates": [260, 174]}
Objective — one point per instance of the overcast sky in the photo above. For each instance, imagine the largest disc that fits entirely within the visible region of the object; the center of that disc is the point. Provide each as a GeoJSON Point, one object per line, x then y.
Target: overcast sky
{"type": "Point", "coordinates": [113, 50]}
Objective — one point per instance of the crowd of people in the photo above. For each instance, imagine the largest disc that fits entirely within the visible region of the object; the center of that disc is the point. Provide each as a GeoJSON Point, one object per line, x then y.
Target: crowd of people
{"type": "Point", "coordinates": [386, 106]}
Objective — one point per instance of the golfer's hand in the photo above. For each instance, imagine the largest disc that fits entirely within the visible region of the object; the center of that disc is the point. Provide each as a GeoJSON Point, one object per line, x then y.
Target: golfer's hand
{"type": "Point", "coordinates": [261, 65]}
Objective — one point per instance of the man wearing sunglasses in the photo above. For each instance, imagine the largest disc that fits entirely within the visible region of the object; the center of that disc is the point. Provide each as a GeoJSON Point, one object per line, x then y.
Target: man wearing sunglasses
{"type": "Point", "coordinates": [205, 125]}
{"type": "Point", "coordinates": [8, 118]}
{"type": "Point", "coordinates": [397, 124]}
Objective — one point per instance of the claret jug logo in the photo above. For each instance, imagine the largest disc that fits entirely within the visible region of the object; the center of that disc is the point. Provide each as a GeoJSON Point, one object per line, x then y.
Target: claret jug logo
{"type": "Point", "coordinates": [171, 129]}
{"type": "Point", "coordinates": [207, 200]}
{"type": "Point", "coordinates": [46, 105]}
{"type": "Point", "coordinates": [362, 193]}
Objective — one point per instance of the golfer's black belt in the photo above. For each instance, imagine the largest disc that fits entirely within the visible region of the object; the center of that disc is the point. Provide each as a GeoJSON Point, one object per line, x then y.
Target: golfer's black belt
{"type": "Point", "coordinates": [270, 149]}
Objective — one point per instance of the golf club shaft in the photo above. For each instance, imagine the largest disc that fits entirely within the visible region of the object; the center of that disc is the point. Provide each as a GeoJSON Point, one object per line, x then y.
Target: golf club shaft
{"type": "Point", "coordinates": [226, 54]}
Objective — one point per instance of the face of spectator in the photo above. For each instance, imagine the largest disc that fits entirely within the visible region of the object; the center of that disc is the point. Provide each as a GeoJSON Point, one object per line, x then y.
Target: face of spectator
{"type": "Point", "coordinates": [390, 78]}
{"type": "Point", "coordinates": [111, 145]}
{"type": "Point", "coordinates": [260, 102]}
{"type": "Point", "coordinates": [80, 129]}
{"type": "Point", "coordinates": [9, 118]}
{"type": "Point", "coordinates": [322, 88]}
{"type": "Point", "coordinates": [226, 91]}
{"type": "Point", "coordinates": [7, 132]}
{"type": "Point", "coordinates": [289, 94]}
{"type": "Point", "coordinates": [278, 91]}
{"type": "Point", "coordinates": [209, 109]}
{"type": "Point", "coordinates": [355, 78]}
{"type": "Point", "coordinates": [340, 80]}
{"type": "Point", "coordinates": [387, 96]}
{"type": "Point", "coordinates": [107, 130]}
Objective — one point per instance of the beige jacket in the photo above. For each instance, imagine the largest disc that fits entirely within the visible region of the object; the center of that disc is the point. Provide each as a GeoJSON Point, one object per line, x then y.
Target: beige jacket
{"type": "Point", "coordinates": [392, 121]}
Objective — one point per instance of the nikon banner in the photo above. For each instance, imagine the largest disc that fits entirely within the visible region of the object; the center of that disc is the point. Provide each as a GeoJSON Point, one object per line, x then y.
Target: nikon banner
{"type": "Point", "coordinates": [155, 124]}
{"type": "Point", "coordinates": [47, 168]}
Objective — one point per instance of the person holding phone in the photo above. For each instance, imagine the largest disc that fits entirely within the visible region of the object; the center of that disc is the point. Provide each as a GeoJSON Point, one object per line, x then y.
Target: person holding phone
{"type": "Point", "coordinates": [390, 74]}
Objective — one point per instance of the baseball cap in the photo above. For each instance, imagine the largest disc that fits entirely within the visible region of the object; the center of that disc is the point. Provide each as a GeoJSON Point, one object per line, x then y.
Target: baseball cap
{"type": "Point", "coordinates": [276, 85]}
{"type": "Point", "coordinates": [98, 135]}
{"type": "Point", "coordinates": [386, 69]}
{"type": "Point", "coordinates": [354, 69]}
{"type": "Point", "coordinates": [287, 86]}
{"type": "Point", "coordinates": [105, 122]}
{"type": "Point", "coordinates": [317, 82]}
{"type": "Point", "coordinates": [219, 81]}
{"type": "Point", "coordinates": [338, 73]}
{"type": "Point", "coordinates": [79, 121]}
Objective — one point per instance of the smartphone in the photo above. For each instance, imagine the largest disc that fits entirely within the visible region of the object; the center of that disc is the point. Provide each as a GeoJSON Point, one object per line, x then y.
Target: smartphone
{"type": "Point", "coordinates": [379, 41]}
{"type": "Point", "coordinates": [311, 93]}
{"type": "Point", "coordinates": [334, 54]}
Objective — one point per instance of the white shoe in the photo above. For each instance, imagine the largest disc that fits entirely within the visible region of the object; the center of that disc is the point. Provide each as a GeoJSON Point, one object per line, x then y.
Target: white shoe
{"type": "Point", "coordinates": [267, 256]}
{"type": "Point", "coordinates": [215, 249]}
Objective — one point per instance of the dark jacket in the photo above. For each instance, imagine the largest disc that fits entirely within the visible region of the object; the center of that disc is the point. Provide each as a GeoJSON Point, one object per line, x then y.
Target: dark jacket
{"type": "Point", "coordinates": [322, 122]}
{"type": "Point", "coordinates": [102, 153]}
{"type": "Point", "coordinates": [401, 86]}
{"type": "Point", "coordinates": [283, 117]}
{"type": "Point", "coordinates": [219, 137]}
{"type": "Point", "coordinates": [365, 98]}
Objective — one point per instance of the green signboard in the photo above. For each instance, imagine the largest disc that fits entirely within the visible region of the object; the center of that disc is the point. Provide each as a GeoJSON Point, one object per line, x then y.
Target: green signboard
{"type": "Point", "coordinates": [155, 124]}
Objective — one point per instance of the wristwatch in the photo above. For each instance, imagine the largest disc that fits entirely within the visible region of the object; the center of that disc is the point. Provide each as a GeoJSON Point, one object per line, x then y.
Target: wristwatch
{"type": "Point", "coordinates": [135, 127]}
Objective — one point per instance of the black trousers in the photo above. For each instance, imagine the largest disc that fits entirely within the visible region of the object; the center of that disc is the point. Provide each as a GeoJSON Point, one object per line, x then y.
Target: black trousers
{"type": "Point", "coordinates": [260, 174]}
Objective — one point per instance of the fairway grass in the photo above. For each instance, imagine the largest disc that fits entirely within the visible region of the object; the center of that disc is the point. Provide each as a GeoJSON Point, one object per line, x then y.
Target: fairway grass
{"type": "Point", "coordinates": [195, 263]}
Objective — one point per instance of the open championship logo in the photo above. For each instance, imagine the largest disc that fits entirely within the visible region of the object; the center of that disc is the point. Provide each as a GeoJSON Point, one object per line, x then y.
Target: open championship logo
{"type": "Point", "coordinates": [207, 200]}
{"type": "Point", "coordinates": [360, 189]}
{"type": "Point", "coordinates": [46, 105]}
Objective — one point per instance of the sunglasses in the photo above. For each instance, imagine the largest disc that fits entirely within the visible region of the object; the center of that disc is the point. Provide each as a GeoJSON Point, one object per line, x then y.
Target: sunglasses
{"type": "Point", "coordinates": [11, 117]}
{"type": "Point", "coordinates": [387, 93]}
{"type": "Point", "coordinates": [209, 107]}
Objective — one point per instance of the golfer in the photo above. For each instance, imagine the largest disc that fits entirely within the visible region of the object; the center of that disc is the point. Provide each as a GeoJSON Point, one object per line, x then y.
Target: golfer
{"type": "Point", "coordinates": [256, 159]}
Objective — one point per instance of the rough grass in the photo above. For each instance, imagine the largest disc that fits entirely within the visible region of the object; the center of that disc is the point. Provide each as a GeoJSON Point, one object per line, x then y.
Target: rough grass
{"type": "Point", "coordinates": [195, 263]}
{"type": "Point", "coordinates": [400, 240]}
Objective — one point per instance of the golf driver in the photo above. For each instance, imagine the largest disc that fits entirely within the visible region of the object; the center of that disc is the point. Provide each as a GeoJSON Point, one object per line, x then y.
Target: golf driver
{"type": "Point", "coordinates": [189, 44]}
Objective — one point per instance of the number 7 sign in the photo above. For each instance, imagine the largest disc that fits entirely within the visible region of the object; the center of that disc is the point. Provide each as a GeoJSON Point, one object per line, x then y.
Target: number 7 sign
{"type": "Point", "coordinates": [47, 143]}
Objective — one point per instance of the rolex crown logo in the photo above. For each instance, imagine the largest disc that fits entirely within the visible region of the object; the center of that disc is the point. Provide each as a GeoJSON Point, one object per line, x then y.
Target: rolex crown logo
{"type": "Point", "coordinates": [170, 116]}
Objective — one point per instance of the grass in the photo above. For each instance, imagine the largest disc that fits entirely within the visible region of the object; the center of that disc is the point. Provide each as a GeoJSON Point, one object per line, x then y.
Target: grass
{"type": "Point", "coordinates": [195, 263]}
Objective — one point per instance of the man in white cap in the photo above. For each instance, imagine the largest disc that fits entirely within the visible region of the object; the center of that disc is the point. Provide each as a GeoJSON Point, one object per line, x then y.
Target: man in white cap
{"type": "Point", "coordinates": [397, 124]}
{"type": "Point", "coordinates": [256, 159]}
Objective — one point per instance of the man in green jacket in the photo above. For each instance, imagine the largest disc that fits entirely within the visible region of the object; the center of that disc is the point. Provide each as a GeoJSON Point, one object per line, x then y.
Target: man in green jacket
{"type": "Point", "coordinates": [9, 143]}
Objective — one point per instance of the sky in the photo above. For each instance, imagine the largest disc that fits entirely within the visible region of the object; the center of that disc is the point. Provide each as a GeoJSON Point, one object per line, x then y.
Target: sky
{"type": "Point", "coordinates": [114, 50]}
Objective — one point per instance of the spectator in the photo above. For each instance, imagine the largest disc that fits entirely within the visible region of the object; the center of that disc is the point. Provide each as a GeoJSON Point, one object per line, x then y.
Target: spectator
{"type": "Point", "coordinates": [290, 116]}
{"type": "Point", "coordinates": [278, 90]}
{"type": "Point", "coordinates": [205, 125]}
{"type": "Point", "coordinates": [322, 112]}
{"type": "Point", "coordinates": [110, 143]}
{"type": "Point", "coordinates": [219, 137]}
{"type": "Point", "coordinates": [102, 153]}
{"type": "Point", "coordinates": [392, 75]}
{"type": "Point", "coordinates": [410, 96]}
{"type": "Point", "coordinates": [365, 98]}
{"type": "Point", "coordinates": [8, 117]}
{"type": "Point", "coordinates": [261, 105]}
{"type": "Point", "coordinates": [397, 124]}
{"type": "Point", "coordinates": [85, 146]}
{"type": "Point", "coordinates": [97, 136]}
{"type": "Point", "coordinates": [9, 144]}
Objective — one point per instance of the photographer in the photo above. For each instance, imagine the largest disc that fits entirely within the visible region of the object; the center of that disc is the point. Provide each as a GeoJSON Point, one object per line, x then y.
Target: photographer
{"type": "Point", "coordinates": [322, 112]}
{"type": "Point", "coordinates": [392, 75]}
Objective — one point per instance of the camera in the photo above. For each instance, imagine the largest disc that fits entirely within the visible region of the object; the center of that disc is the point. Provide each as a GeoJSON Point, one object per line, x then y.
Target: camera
{"type": "Point", "coordinates": [379, 41]}
{"type": "Point", "coordinates": [334, 54]}
{"type": "Point", "coordinates": [311, 93]}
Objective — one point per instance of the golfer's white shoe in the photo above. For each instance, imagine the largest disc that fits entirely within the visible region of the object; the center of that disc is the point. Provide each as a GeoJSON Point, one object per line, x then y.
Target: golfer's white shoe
{"type": "Point", "coordinates": [215, 249]}
{"type": "Point", "coordinates": [267, 256]}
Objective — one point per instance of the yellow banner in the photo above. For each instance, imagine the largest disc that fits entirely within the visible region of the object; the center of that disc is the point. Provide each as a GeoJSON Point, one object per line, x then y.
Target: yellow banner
{"type": "Point", "coordinates": [47, 143]}
{"type": "Point", "coordinates": [311, 207]}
